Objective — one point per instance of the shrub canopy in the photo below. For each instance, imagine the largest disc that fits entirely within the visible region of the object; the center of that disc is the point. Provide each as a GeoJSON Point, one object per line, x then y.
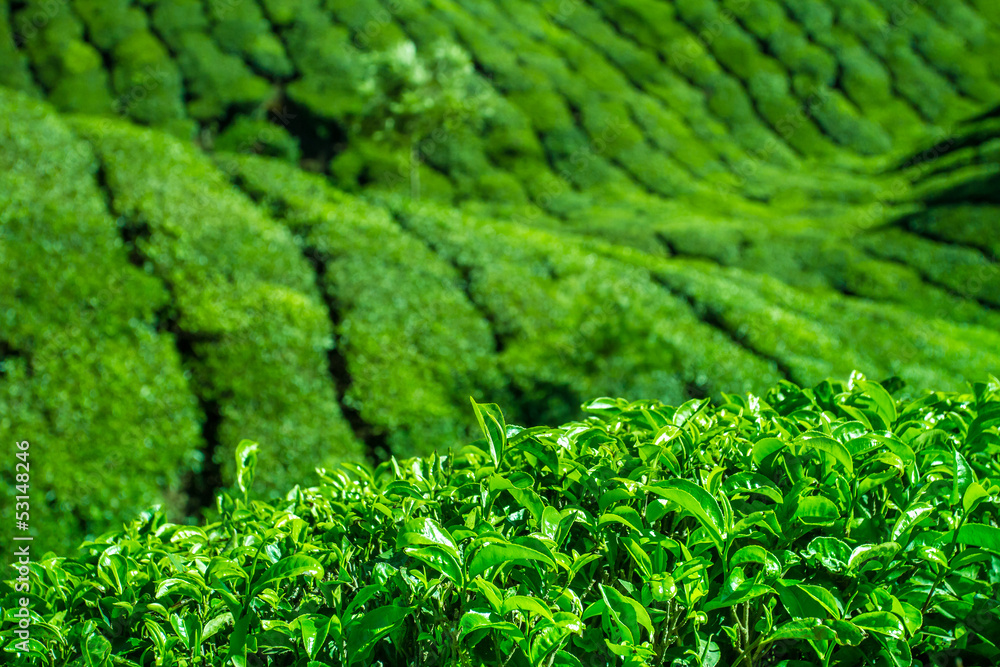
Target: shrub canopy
{"type": "Point", "coordinates": [834, 525]}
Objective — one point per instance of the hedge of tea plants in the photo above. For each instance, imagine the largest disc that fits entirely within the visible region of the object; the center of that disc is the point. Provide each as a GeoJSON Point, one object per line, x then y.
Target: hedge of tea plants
{"type": "Point", "coordinates": [244, 306]}
{"type": "Point", "coordinates": [832, 525]}
{"type": "Point", "coordinates": [84, 367]}
{"type": "Point", "coordinates": [662, 199]}
{"type": "Point", "coordinates": [628, 99]}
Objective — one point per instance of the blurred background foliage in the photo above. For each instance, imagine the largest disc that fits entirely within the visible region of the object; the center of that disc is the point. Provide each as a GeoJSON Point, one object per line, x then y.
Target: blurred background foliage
{"type": "Point", "coordinates": [324, 224]}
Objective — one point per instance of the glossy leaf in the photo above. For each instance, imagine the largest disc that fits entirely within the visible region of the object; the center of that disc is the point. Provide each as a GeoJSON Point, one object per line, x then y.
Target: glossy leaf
{"type": "Point", "coordinates": [494, 554]}
{"type": "Point", "coordinates": [373, 626]}
{"type": "Point", "coordinates": [867, 552]}
{"type": "Point", "coordinates": [802, 628]}
{"type": "Point", "coordinates": [439, 558]}
{"type": "Point", "coordinates": [910, 518]}
{"type": "Point", "coordinates": [757, 554]}
{"type": "Point", "coordinates": [816, 510]}
{"type": "Point", "coordinates": [881, 622]}
{"type": "Point", "coordinates": [639, 556]}
{"type": "Point", "coordinates": [492, 423]}
{"type": "Point", "coordinates": [246, 465]}
{"type": "Point", "coordinates": [473, 621]}
{"type": "Point", "coordinates": [980, 535]}
{"type": "Point", "coordinates": [427, 531]}
{"type": "Point", "coordinates": [695, 500]}
{"type": "Point", "coordinates": [751, 482]}
{"type": "Point", "coordinates": [550, 634]}
{"type": "Point", "coordinates": [885, 406]}
{"type": "Point", "coordinates": [829, 446]}
{"type": "Point", "coordinates": [288, 568]}
{"type": "Point", "coordinates": [962, 477]}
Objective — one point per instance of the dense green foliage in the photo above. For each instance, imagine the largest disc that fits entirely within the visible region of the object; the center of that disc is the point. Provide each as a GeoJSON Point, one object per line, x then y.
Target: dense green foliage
{"type": "Point", "coordinates": [826, 526]}
{"type": "Point", "coordinates": [83, 366]}
{"type": "Point", "coordinates": [244, 301]}
{"type": "Point", "coordinates": [617, 197]}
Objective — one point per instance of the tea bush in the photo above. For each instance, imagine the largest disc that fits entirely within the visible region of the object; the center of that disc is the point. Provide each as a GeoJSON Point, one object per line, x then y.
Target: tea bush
{"type": "Point", "coordinates": [412, 343]}
{"type": "Point", "coordinates": [216, 82]}
{"type": "Point", "coordinates": [827, 526]}
{"type": "Point", "coordinates": [571, 324]}
{"type": "Point", "coordinates": [240, 28]}
{"type": "Point", "coordinates": [702, 94]}
{"type": "Point", "coordinates": [14, 73]}
{"type": "Point", "coordinates": [86, 375]}
{"type": "Point", "coordinates": [243, 300]}
{"type": "Point", "coordinates": [70, 68]}
{"type": "Point", "coordinates": [667, 199]}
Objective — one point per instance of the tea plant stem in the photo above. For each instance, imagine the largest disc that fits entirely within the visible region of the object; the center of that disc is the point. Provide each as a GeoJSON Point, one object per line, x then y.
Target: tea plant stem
{"type": "Point", "coordinates": [943, 570]}
{"type": "Point", "coordinates": [744, 629]}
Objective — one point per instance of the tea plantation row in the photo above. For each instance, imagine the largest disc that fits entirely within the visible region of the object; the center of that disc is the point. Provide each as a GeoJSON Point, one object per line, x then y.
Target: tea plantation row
{"type": "Point", "coordinates": [834, 526]}
{"type": "Point", "coordinates": [158, 307]}
{"type": "Point", "coordinates": [628, 99]}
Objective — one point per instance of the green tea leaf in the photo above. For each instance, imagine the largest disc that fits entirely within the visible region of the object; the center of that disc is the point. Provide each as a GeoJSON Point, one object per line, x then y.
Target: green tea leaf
{"type": "Point", "coordinates": [526, 605]}
{"type": "Point", "coordinates": [639, 556]}
{"type": "Point", "coordinates": [885, 406]}
{"type": "Point", "coordinates": [495, 553]}
{"type": "Point", "coordinates": [688, 410]}
{"type": "Point", "coordinates": [973, 495]}
{"type": "Point", "coordinates": [492, 423]}
{"type": "Point", "coordinates": [801, 628]}
{"type": "Point", "coordinates": [979, 535]}
{"type": "Point", "coordinates": [549, 635]}
{"type": "Point", "coordinates": [736, 590]}
{"type": "Point", "coordinates": [848, 634]}
{"type": "Point", "coordinates": [913, 515]}
{"type": "Point", "coordinates": [238, 641]}
{"type": "Point", "coordinates": [427, 531]}
{"type": "Point", "coordinates": [373, 626]}
{"type": "Point", "coordinates": [178, 586]}
{"type": "Point", "coordinates": [564, 659]}
{"type": "Point", "coordinates": [832, 553]}
{"type": "Point", "coordinates": [913, 619]}
{"type": "Point", "coordinates": [962, 477]}
{"type": "Point", "coordinates": [932, 555]}
{"type": "Point", "coordinates": [288, 568]}
{"type": "Point", "coordinates": [829, 446]}
{"type": "Point", "coordinates": [246, 464]}
{"type": "Point", "coordinates": [441, 559]}
{"type": "Point", "coordinates": [881, 622]}
{"type": "Point", "coordinates": [695, 500]}
{"type": "Point", "coordinates": [493, 595]}
{"type": "Point", "coordinates": [314, 630]}
{"type": "Point", "coordinates": [757, 554]}
{"type": "Point", "coordinates": [473, 621]}
{"type": "Point", "coordinates": [751, 482]}
{"type": "Point", "coordinates": [816, 511]}
{"type": "Point", "coordinates": [629, 611]}
{"type": "Point", "coordinates": [988, 417]}
{"type": "Point", "coordinates": [765, 447]}
{"type": "Point", "coordinates": [825, 598]}
{"type": "Point", "coordinates": [867, 552]}
{"type": "Point", "coordinates": [626, 516]}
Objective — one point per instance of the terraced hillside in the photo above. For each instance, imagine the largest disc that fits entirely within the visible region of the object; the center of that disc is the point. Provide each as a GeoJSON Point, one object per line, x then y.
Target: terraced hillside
{"type": "Point", "coordinates": [664, 200]}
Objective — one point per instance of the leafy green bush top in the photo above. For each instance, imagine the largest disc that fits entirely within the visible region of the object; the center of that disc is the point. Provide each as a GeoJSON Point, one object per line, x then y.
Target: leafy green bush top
{"type": "Point", "coordinates": [244, 303]}
{"type": "Point", "coordinates": [85, 376]}
{"type": "Point", "coordinates": [824, 526]}
{"type": "Point", "coordinates": [413, 345]}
